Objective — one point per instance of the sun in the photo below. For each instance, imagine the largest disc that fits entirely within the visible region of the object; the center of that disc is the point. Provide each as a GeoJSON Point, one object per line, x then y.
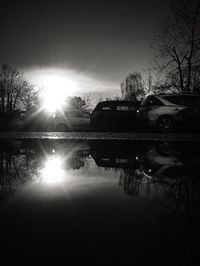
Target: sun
{"type": "Point", "coordinates": [52, 171]}
{"type": "Point", "coordinates": [56, 90]}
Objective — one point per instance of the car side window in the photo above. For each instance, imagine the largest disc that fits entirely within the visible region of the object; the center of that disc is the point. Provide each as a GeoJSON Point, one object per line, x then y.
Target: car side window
{"type": "Point", "coordinates": [122, 108]}
{"type": "Point", "coordinates": [181, 100]}
{"type": "Point", "coordinates": [106, 108]}
{"type": "Point", "coordinates": [125, 108]}
{"type": "Point", "coordinates": [131, 108]}
{"type": "Point", "coordinates": [174, 99]}
{"type": "Point", "coordinates": [153, 101]}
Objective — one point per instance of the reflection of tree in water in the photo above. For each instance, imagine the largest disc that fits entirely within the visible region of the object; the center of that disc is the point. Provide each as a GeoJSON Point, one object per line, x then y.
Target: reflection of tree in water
{"type": "Point", "coordinates": [133, 181]}
{"type": "Point", "coordinates": [168, 174]}
{"type": "Point", "coordinates": [175, 195]}
{"type": "Point", "coordinates": [14, 172]}
{"type": "Point", "coordinates": [178, 195]}
{"type": "Point", "coordinates": [73, 152]}
{"type": "Point", "coordinates": [21, 162]}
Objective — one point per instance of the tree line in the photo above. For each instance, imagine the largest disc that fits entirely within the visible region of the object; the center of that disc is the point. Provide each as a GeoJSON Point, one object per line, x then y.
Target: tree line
{"type": "Point", "coordinates": [17, 94]}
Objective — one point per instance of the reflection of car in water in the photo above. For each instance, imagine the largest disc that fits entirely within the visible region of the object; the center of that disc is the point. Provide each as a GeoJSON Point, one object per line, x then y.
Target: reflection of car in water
{"type": "Point", "coordinates": [168, 161]}
{"type": "Point", "coordinates": [162, 168]}
{"type": "Point", "coordinates": [120, 156]}
{"type": "Point", "coordinates": [114, 114]}
{"type": "Point", "coordinates": [165, 111]}
{"type": "Point", "coordinates": [173, 172]}
{"type": "Point", "coordinates": [115, 155]}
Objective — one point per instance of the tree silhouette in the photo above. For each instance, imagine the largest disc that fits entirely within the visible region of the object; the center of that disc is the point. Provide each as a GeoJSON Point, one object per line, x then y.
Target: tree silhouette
{"type": "Point", "coordinates": [15, 91]}
{"type": "Point", "coordinates": [29, 99]}
{"type": "Point", "coordinates": [132, 88]}
{"type": "Point", "coordinates": [177, 46]}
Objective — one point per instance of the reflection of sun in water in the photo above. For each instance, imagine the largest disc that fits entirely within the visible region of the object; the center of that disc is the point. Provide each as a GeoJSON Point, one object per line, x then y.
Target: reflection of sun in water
{"type": "Point", "coordinates": [56, 90]}
{"type": "Point", "coordinates": [53, 171]}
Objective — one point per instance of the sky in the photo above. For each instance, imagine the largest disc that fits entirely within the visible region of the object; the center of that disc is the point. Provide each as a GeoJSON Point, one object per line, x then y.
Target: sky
{"type": "Point", "coordinates": [92, 44]}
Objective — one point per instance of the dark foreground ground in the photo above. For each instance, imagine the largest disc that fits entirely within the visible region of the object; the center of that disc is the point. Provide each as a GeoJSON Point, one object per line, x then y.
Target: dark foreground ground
{"type": "Point", "coordinates": [99, 199]}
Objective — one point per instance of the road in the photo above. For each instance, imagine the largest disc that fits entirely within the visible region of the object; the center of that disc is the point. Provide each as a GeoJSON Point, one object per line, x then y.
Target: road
{"type": "Point", "coordinates": [135, 136]}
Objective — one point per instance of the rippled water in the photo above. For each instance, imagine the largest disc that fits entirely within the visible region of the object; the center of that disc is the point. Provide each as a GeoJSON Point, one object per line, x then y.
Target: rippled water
{"type": "Point", "coordinates": [100, 201]}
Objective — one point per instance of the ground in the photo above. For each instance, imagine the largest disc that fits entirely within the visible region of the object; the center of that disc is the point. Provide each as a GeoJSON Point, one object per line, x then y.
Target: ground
{"type": "Point", "coordinates": [193, 137]}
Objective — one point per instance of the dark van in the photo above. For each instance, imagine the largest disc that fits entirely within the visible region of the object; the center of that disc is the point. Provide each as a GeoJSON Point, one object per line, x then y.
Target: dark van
{"type": "Point", "coordinates": [117, 114]}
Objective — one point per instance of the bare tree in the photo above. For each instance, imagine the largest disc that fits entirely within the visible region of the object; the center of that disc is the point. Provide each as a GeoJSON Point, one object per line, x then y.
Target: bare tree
{"type": "Point", "coordinates": [29, 98]}
{"type": "Point", "coordinates": [10, 86]}
{"type": "Point", "coordinates": [87, 98]}
{"type": "Point", "coordinates": [177, 45]}
{"type": "Point", "coordinates": [15, 92]}
{"type": "Point", "coordinates": [132, 87]}
{"type": "Point", "coordinates": [115, 98]}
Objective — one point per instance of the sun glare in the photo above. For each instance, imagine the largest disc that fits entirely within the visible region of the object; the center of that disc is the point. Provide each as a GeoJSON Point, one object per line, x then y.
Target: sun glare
{"type": "Point", "coordinates": [52, 172]}
{"type": "Point", "coordinates": [56, 90]}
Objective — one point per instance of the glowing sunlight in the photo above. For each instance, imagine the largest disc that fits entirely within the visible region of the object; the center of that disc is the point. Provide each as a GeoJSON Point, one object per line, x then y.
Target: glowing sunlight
{"type": "Point", "coordinates": [56, 90]}
{"type": "Point", "coordinates": [53, 171]}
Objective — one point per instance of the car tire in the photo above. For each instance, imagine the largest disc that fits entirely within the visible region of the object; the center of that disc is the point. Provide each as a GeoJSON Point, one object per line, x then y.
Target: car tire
{"type": "Point", "coordinates": [61, 127]}
{"type": "Point", "coordinates": [165, 124]}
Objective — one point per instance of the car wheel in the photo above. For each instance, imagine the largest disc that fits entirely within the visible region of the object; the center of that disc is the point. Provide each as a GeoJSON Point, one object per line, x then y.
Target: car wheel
{"type": "Point", "coordinates": [165, 124]}
{"type": "Point", "coordinates": [61, 128]}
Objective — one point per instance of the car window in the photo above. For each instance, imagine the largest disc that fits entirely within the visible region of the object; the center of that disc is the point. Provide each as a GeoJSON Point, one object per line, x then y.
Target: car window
{"type": "Point", "coordinates": [106, 108]}
{"type": "Point", "coordinates": [182, 100]}
{"type": "Point", "coordinates": [174, 99]}
{"type": "Point", "coordinates": [125, 108]}
{"type": "Point", "coordinates": [132, 108]}
{"type": "Point", "coordinates": [151, 100]}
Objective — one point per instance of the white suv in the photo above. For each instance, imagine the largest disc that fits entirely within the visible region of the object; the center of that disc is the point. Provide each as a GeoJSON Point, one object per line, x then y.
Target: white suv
{"type": "Point", "coordinates": [165, 110]}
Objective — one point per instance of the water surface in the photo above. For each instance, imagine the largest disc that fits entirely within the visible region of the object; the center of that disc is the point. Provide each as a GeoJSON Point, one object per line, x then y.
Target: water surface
{"type": "Point", "coordinates": [99, 202]}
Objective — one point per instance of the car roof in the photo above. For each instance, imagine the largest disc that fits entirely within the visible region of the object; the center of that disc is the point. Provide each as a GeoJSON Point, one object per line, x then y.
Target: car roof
{"type": "Point", "coordinates": [118, 102]}
{"type": "Point", "coordinates": [179, 94]}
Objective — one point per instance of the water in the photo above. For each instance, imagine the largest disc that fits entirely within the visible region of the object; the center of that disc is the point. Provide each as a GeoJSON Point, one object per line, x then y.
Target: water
{"type": "Point", "coordinates": [100, 202]}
